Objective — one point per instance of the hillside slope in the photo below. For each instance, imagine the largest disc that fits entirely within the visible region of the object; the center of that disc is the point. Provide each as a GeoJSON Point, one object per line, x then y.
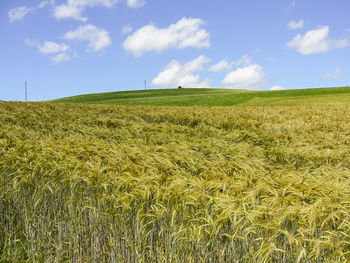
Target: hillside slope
{"type": "Point", "coordinates": [216, 97]}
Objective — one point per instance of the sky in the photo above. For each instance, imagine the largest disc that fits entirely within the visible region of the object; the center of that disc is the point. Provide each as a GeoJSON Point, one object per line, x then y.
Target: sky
{"type": "Point", "coordinates": [69, 47]}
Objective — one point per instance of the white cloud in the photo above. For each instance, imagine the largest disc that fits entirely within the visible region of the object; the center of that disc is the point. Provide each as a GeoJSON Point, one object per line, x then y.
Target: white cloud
{"type": "Point", "coordinates": [222, 65]}
{"type": "Point", "coordinates": [48, 47]}
{"type": "Point", "coordinates": [126, 29]}
{"type": "Point", "coordinates": [244, 60]}
{"type": "Point", "coordinates": [61, 57]}
{"type": "Point", "coordinates": [18, 13]}
{"type": "Point", "coordinates": [175, 74]}
{"type": "Point", "coordinates": [74, 8]}
{"type": "Point", "coordinates": [51, 47]}
{"type": "Point", "coordinates": [42, 4]}
{"type": "Point", "coordinates": [248, 77]}
{"type": "Point", "coordinates": [292, 25]}
{"type": "Point", "coordinates": [98, 37]}
{"type": "Point", "coordinates": [333, 75]}
{"type": "Point", "coordinates": [225, 65]}
{"type": "Point", "coordinates": [277, 88]}
{"type": "Point", "coordinates": [136, 3]}
{"type": "Point", "coordinates": [316, 41]}
{"type": "Point", "coordinates": [185, 33]}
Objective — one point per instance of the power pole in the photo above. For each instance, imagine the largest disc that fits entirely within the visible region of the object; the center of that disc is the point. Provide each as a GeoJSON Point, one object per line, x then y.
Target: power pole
{"type": "Point", "coordinates": [145, 85]}
{"type": "Point", "coordinates": [26, 91]}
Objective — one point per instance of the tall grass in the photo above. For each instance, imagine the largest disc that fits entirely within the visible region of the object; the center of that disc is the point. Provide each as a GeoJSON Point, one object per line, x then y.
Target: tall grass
{"type": "Point", "coordinates": [82, 183]}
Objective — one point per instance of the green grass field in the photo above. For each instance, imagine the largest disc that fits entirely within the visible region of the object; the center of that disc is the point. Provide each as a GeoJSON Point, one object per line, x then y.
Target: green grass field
{"type": "Point", "coordinates": [216, 97]}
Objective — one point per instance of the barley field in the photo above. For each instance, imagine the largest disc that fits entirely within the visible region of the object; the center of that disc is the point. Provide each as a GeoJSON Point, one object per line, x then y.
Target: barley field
{"type": "Point", "coordinates": [106, 183]}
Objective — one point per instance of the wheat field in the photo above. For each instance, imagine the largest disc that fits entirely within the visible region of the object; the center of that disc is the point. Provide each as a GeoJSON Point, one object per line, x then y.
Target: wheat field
{"type": "Point", "coordinates": [104, 183]}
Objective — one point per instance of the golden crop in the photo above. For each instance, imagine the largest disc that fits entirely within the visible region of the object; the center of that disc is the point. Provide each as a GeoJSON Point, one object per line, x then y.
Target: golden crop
{"type": "Point", "coordinates": [97, 183]}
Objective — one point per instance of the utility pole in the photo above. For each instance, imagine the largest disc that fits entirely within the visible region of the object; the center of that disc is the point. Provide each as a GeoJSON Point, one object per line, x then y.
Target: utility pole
{"type": "Point", "coordinates": [145, 85]}
{"type": "Point", "coordinates": [26, 91]}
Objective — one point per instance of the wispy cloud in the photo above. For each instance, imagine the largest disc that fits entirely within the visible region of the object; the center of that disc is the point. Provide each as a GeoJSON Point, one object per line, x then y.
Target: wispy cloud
{"type": "Point", "coordinates": [18, 13]}
{"type": "Point", "coordinates": [225, 65]}
{"type": "Point", "coordinates": [61, 57]}
{"type": "Point", "coordinates": [126, 29]}
{"type": "Point", "coordinates": [292, 25]}
{"type": "Point", "coordinates": [75, 8]}
{"type": "Point", "coordinates": [136, 3]}
{"type": "Point", "coordinates": [187, 32]}
{"type": "Point", "coordinates": [336, 74]}
{"type": "Point", "coordinates": [50, 48]}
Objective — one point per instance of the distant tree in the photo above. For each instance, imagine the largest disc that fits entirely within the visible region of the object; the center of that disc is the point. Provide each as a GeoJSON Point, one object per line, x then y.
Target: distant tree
{"type": "Point", "coordinates": [179, 87]}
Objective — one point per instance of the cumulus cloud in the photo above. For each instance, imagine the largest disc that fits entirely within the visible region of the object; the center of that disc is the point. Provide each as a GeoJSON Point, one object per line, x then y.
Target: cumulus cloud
{"type": "Point", "coordinates": [225, 65]}
{"type": "Point", "coordinates": [174, 74]}
{"type": "Point", "coordinates": [126, 29]}
{"type": "Point", "coordinates": [136, 3]}
{"type": "Point", "coordinates": [336, 74]}
{"type": "Point", "coordinates": [292, 25]}
{"type": "Point", "coordinates": [98, 38]}
{"type": "Point", "coordinates": [316, 41]}
{"type": "Point", "coordinates": [277, 88]}
{"type": "Point", "coordinates": [61, 57]}
{"type": "Point", "coordinates": [18, 13]}
{"type": "Point", "coordinates": [187, 32]}
{"type": "Point", "coordinates": [74, 8]}
{"type": "Point", "coordinates": [248, 77]}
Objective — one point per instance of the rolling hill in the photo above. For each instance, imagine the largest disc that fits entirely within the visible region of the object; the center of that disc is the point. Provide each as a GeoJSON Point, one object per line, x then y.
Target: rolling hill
{"type": "Point", "coordinates": [216, 97]}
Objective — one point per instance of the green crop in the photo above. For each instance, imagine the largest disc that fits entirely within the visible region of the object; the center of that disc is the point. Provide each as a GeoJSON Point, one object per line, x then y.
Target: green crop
{"type": "Point", "coordinates": [104, 183]}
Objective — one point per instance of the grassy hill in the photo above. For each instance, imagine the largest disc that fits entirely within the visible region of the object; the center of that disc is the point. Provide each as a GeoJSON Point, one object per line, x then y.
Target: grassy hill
{"type": "Point", "coordinates": [216, 97]}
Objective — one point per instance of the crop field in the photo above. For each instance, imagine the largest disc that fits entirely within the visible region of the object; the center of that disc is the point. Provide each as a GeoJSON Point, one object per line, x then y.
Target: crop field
{"type": "Point", "coordinates": [107, 183]}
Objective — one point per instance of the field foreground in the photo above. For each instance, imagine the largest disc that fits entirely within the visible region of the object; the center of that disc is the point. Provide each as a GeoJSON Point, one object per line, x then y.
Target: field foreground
{"type": "Point", "coordinates": [104, 183]}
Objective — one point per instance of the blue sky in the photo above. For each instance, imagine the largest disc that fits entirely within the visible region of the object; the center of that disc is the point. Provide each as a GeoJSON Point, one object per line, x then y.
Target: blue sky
{"type": "Point", "coordinates": [69, 47]}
